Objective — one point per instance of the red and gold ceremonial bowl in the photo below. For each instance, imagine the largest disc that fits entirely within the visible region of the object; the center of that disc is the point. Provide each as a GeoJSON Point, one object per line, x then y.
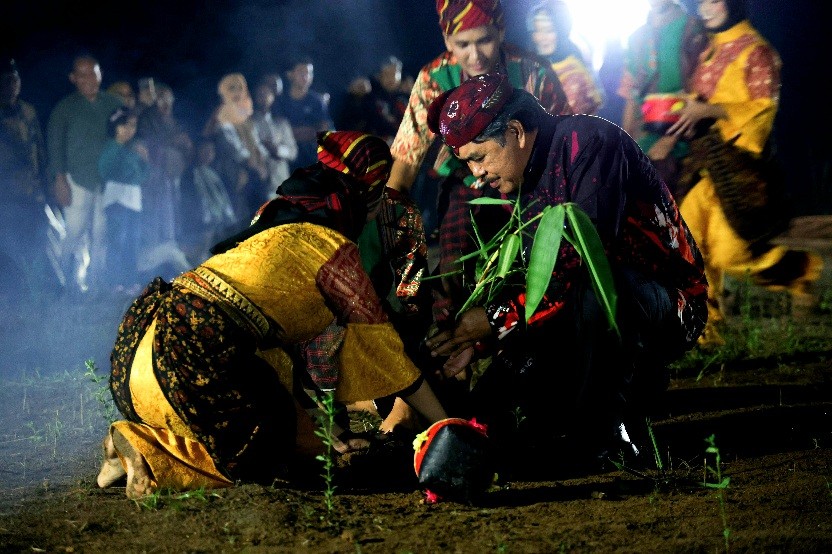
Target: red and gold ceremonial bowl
{"type": "Point", "coordinates": [660, 111]}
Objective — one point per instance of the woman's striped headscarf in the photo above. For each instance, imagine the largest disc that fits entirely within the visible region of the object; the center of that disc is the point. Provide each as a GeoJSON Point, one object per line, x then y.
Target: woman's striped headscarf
{"type": "Point", "coordinates": [361, 156]}
{"type": "Point", "coordinates": [460, 15]}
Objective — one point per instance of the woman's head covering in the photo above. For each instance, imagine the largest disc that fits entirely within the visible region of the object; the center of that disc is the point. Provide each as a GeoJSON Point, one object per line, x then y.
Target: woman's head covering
{"type": "Point", "coordinates": [737, 11]}
{"type": "Point", "coordinates": [557, 13]}
{"type": "Point", "coordinates": [460, 15]}
{"type": "Point", "coordinates": [554, 11]}
{"type": "Point", "coordinates": [237, 104]}
{"type": "Point", "coordinates": [338, 192]}
{"type": "Point", "coordinates": [362, 156]}
{"type": "Point", "coordinates": [461, 114]}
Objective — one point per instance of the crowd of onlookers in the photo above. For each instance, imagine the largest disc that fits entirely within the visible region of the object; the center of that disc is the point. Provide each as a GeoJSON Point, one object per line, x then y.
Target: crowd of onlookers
{"type": "Point", "coordinates": [110, 188]}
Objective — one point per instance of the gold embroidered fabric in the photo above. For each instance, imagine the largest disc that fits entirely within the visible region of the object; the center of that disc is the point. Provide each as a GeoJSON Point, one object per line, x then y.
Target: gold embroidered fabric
{"type": "Point", "coordinates": [276, 270]}
{"type": "Point", "coordinates": [210, 286]}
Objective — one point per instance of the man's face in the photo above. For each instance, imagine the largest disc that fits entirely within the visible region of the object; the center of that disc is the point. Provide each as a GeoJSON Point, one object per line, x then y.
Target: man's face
{"type": "Point", "coordinates": [301, 75]}
{"type": "Point", "coordinates": [390, 77]}
{"type": "Point", "coordinates": [86, 76]}
{"type": "Point", "coordinates": [125, 92]}
{"type": "Point", "coordinates": [499, 167]}
{"type": "Point", "coordinates": [477, 50]}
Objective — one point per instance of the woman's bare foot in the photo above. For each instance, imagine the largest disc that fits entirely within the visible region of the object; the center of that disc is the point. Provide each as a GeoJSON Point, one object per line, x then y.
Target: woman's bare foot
{"type": "Point", "coordinates": [111, 469]}
{"type": "Point", "coordinates": [402, 415]}
{"type": "Point", "coordinates": [139, 481]}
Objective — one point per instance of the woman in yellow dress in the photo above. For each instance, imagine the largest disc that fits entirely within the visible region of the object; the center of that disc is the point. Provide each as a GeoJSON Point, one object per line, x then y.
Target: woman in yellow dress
{"type": "Point", "coordinates": [730, 209]}
{"type": "Point", "coordinates": [217, 372]}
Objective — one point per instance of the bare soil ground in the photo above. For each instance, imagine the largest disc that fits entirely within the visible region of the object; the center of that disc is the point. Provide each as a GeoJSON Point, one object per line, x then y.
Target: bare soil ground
{"type": "Point", "coordinates": [770, 415]}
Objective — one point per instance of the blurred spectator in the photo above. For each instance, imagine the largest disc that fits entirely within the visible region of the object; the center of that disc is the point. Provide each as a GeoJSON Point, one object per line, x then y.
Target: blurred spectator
{"type": "Point", "coordinates": [207, 212]}
{"type": "Point", "coordinates": [660, 58]}
{"type": "Point", "coordinates": [376, 104]}
{"type": "Point", "coordinates": [124, 168]}
{"type": "Point", "coordinates": [160, 253]}
{"type": "Point", "coordinates": [241, 157]}
{"type": "Point", "coordinates": [550, 24]}
{"type": "Point", "coordinates": [159, 128]}
{"type": "Point", "coordinates": [170, 150]}
{"type": "Point", "coordinates": [306, 110]}
{"type": "Point", "coordinates": [124, 90]}
{"type": "Point", "coordinates": [76, 134]}
{"type": "Point", "coordinates": [25, 268]}
{"type": "Point", "coordinates": [147, 94]}
{"type": "Point", "coordinates": [275, 134]}
{"type": "Point", "coordinates": [356, 111]}
{"type": "Point", "coordinates": [407, 84]}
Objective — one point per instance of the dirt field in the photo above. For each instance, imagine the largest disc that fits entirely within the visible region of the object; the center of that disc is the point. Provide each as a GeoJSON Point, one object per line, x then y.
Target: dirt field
{"type": "Point", "coordinates": [771, 418]}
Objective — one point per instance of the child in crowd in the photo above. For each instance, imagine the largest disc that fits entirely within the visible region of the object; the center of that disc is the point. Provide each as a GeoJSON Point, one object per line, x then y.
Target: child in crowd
{"type": "Point", "coordinates": [123, 167]}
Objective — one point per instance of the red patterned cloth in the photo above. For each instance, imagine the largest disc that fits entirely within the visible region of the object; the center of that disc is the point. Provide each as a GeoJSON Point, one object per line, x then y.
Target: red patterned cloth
{"type": "Point", "coordinates": [461, 114]}
{"type": "Point", "coordinates": [460, 15]}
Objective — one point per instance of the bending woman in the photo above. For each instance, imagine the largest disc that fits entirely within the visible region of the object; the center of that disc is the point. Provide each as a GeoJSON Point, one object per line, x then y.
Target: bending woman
{"type": "Point", "coordinates": [216, 372]}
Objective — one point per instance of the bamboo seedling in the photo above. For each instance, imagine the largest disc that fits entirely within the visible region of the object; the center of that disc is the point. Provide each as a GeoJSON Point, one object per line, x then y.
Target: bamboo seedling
{"type": "Point", "coordinates": [502, 257]}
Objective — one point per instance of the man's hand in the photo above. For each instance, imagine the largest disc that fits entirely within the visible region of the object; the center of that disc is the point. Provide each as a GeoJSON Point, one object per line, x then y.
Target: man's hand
{"type": "Point", "coordinates": [458, 343]}
{"type": "Point", "coordinates": [61, 191]}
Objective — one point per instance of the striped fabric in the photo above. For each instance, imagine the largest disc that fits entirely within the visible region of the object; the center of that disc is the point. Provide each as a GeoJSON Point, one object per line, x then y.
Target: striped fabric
{"type": "Point", "coordinates": [360, 155]}
{"type": "Point", "coordinates": [460, 15]}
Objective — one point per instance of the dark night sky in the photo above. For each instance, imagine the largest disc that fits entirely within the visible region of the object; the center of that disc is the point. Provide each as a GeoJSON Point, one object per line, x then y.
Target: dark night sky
{"type": "Point", "coordinates": [192, 44]}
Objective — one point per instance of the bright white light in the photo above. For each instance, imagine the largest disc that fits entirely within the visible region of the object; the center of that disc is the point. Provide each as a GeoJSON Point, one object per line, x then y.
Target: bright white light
{"type": "Point", "coordinates": [595, 22]}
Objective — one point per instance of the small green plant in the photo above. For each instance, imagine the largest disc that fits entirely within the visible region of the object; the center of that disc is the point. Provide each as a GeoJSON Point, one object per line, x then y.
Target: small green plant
{"type": "Point", "coordinates": [324, 431]}
{"type": "Point", "coordinates": [102, 391]}
{"type": "Point", "coordinates": [167, 498]}
{"type": "Point", "coordinates": [714, 479]}
{"type": "Point", "coordinates": [519, 418]}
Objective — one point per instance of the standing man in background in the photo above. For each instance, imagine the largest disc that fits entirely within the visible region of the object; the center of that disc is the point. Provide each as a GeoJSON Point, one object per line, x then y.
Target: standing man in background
{"type": "Point", "coordinates": [306, 110]}
{"type": "Point", "coordinates": [25, 269]}
{"type": "Point", "coordinates": [76, 134]}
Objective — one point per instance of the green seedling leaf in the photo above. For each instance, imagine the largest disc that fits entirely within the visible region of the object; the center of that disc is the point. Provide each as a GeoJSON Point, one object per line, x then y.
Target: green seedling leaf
{"type": "Point", "coordinates": [589, 247]}
{"type": "Point", "coordinates": [543, 256]}
{"type": "Point", "coordinates": [508, 253]}
{"type": "Point", "coordinates": [721, 485]}
{"type": "Point", "coordinates": [490, 202]}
